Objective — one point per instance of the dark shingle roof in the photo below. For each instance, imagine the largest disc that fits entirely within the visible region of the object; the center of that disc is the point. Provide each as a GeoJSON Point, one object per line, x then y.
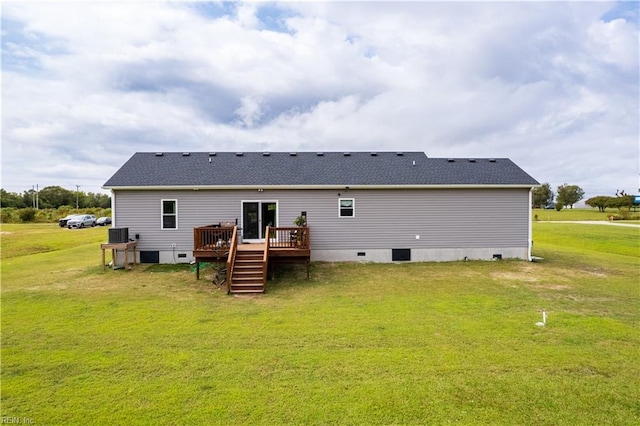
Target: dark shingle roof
{"type": "Point", "coordinates": [148, 169]}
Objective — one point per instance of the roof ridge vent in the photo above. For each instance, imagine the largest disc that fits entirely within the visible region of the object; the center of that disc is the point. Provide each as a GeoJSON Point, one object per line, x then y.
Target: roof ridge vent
{"type": "Point", "coordinates": [399, 153]}
{"type": "Point", "coordinates": [239, 154]}
{"type": "Point", "coordinates": [266, 154]}
{"type": "Point", "coordinates": [212, 154]}
{"type": "Point", "coordinates": [346, 154]}
{"type": "Point", "coordinates": [293, 154]}
{"type": "Point", "coordinates": [492, 160]}
{"type": "Point", "coordinates": [159, 154]}
{"type": "Point", "coordinates": [374, 154]}
{"type": "Point", "coordinates": [472, 160]}
{"type": "Point", "coordinates": [451, 160]}
{"type": "Point", "coordinates": [186, 154]}
{"type": "Point", "coordinates": [320, 154]}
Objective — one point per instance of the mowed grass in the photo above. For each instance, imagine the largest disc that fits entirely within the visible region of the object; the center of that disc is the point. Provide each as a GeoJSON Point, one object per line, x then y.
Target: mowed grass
{"type": "Point", "coordinates": [21, 240]}
{"type": "Point", "coordinates": [581, 214]}
{"type": "Point", "coordinates": [428, 343]}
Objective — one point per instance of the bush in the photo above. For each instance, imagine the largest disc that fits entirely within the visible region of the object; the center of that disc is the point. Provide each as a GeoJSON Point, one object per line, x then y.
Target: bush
{"type": "Point", "coordinates": [558, 207]}
{"type": "Point", "coordinates": [8, 215]}
{"type": "Point", "coordinates": [27, 215]}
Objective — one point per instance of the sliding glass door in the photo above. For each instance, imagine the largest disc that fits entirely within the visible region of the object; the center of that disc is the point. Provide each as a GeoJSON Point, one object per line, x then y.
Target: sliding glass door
{"type": "Point", "coordinates": [256, 216]}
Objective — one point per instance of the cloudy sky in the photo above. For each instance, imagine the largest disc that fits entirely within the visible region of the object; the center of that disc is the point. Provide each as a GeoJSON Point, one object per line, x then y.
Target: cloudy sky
{"type": "Point", "coordinates": [551, 85]}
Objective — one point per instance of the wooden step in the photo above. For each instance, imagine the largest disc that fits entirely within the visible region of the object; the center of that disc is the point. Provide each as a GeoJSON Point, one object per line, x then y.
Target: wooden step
{"type": "Point", "coordinates": [247, 283]}
{"type": "Point", "coordinates": [248, 272]}
{"type": "Point", "coordinates": [253, 279]}
{"type": "Point", "coordinates": [253, 275]}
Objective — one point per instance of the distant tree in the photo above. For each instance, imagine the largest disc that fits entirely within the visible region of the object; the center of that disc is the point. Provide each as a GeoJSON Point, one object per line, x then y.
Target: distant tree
{"type": "Point", "coordinates": [11, 199]}
{"type": "Point", "coordinates": [97, 200]}
{"type": "Point", "coordinates": [621, 202]}
{"type": "Point", "coordinates": [568, 195]}
{"type": "Point", "coordinates": [29, 198]}
{"type": "Point", "coordinates": [542, 196]}
{"type": "Point", "coordinates": [601, 202]}
{"type": "Point", "coordinates": [55, 196]}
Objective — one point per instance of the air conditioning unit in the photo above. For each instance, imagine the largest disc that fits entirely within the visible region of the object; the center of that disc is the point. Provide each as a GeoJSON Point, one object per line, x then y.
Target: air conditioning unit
{"type": "Point", "coordinates": [118, 235]}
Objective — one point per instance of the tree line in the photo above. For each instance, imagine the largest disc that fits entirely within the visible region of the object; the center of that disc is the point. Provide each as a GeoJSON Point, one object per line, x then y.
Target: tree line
{"type": "Point", "coordinates": [53, 197]}
{"type": "Point", "coordinates": [568, 195]}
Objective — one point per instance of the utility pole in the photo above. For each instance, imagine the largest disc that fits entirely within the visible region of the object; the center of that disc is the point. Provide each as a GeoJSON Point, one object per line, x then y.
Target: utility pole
{"type": "Point", "coordinates": [33, 196]}
{"type": "Point", "coordinates": [77, 188]}
{"type": "Point", "coordinates": [37, 201]}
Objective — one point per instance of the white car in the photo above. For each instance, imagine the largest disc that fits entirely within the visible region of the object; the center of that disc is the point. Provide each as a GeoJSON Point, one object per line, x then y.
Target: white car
{"type": "Point", "coordinates": [80, 221]}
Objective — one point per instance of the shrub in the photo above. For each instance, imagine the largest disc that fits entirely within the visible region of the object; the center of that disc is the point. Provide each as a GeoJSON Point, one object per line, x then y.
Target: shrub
{"type": "Point", "coordinates": [558, 207]}
{"type": "Point", "coordinates": [27, 215]}
{"type": "Point", "coordinates": [8, 215]}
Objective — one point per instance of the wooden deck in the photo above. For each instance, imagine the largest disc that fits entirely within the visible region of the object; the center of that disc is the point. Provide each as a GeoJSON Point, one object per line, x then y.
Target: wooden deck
{"type": "Point", "coordinates": [284, 245]}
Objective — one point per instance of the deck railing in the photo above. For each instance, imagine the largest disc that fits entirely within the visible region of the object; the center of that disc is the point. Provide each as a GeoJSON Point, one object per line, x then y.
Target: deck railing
{"type": "Point", "coordinates": [212, 237]}
{"type": "Point", "coordinates": [288, 237]}
{"type": "Point", "coordinates": [265, 259]}
{"type": "Point", "coordinates": [231, 260]}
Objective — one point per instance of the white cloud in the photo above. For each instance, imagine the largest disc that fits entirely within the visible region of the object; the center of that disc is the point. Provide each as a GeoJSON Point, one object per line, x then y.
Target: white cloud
{"type": "Point", "coordinates": [552, 85]}
{"type": "Point", "coordinates": [250, 110]}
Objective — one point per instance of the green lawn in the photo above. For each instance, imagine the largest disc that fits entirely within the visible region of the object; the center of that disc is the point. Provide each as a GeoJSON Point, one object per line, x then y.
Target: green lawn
{"type": "Point", "coordinates": [428, 343]}
{"type": "Point", "coordinates": [576, 214]}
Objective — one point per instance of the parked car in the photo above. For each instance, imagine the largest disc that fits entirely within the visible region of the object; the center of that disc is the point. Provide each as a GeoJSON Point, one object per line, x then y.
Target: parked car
{"type": "Point", "coordinates": [63, 222]}
{"type": "Point", "coordinates": [102, 221]}
{"type": "Point", "coordinates": [80, 221]}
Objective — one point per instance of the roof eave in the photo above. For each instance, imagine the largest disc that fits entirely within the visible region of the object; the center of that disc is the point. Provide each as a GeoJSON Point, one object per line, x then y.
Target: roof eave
{"type": "Point", "coordinates": [272, 187]}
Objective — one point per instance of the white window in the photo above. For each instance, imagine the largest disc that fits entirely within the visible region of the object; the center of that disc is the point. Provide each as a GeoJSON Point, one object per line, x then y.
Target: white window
{"type": "Point", "coordinates": [346, 207]}
{"type": "Point", "coordinates": [169, 214]}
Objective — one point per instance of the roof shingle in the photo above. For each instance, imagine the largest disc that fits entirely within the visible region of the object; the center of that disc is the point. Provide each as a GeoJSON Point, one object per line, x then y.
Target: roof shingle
{"type": "Point", "coordinates": [147, 169]}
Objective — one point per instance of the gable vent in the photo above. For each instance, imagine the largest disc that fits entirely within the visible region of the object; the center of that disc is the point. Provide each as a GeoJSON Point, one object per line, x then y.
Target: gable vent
{"type": "Point", "coordinates": [266, 154]}
{"type": "Point", "coordinates": [159, 154]}
{"type": "Point", "coordinates": [212, 154]}
{"type": "Point", "coordinates": [399, 154]}
{"type": "Point", "coordinates": [472, 160]}
{"type": "Point", "coordinates": [346, 154]}
{"type": "Point", "coordinates": [293, 154]}
{"type": "Point", "coordinates": [239, 154]}
{"type": "Point", "coordinates": [320, 154]}
{"type": "Point", "coordinates": [186, 154]}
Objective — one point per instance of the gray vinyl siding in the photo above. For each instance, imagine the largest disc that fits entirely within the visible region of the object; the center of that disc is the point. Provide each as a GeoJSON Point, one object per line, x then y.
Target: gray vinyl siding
{"type": "Point", "coordinates": [384, 219]}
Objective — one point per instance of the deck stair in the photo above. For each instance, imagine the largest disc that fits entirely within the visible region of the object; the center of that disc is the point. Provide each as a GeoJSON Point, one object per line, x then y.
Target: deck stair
{"type": "Point", "coordinates": [248, 274]}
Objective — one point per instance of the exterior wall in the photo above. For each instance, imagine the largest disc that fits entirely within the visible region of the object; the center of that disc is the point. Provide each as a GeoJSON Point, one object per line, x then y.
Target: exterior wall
{"type": "Point", "coordinates": [436, 224]}
{"type": "Point", "coordinates": [420, 255]}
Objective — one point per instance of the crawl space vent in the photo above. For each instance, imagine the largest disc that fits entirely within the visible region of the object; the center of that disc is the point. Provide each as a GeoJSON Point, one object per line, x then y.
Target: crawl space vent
{"type": "Point", "coordinates": [400, 255]}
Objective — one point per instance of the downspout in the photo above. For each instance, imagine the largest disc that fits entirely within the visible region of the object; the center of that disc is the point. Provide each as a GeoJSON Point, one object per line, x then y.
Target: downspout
{"type": "Point", "coordinates": [113, 208]}
{"type": "Point", "coordinates": [530, 243]}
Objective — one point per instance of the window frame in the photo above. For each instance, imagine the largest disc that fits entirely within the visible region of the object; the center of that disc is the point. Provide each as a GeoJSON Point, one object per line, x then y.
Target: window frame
{"type": "Point", "coordinates": [353, 207]}
{"type": "Point", "coordinates": [163, 214]}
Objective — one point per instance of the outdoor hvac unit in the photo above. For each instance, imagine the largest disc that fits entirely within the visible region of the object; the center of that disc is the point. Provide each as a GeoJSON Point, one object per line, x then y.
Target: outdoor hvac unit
{"type": "Point", "coordinates": [118, 235]}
